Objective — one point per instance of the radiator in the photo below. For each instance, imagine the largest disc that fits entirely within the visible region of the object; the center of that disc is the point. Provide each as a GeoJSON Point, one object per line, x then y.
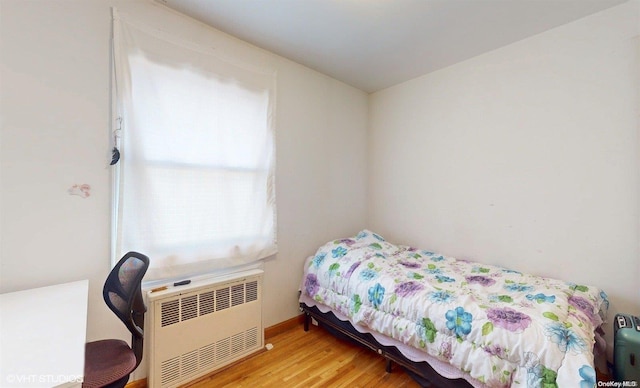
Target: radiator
{"type": "Point", "coordinates": [194, 330]}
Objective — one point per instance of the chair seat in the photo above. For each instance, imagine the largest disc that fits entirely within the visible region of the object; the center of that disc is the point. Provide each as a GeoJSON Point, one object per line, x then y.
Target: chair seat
{"type": "Point", "coordinates": [107, 361]}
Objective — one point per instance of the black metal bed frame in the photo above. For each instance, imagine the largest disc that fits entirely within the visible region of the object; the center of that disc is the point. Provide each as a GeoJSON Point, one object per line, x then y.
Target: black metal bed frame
{"type": "Point", "coordinates": [421, 372]}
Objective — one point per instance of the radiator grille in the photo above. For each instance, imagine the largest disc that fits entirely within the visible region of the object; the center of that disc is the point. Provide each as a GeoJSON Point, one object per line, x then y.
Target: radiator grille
{"type": "Point", "coordinates": [237, 294]}
{"type": "Point", "coordinates": [222, 299]}
{"type": "Point", "coordinates": [207, 303]}
{"type": "Point", "coordinates": [188, 364]}
{"type": "Point", "coordinates": [208, 355]}
{"type": "Point", "coordinates": [192, 306]}
{"type": "Point", "coordinates": [170, 370]}
{"type": "Point", "coordinates": [252, 291]}
{"type": "Point", "coordinates": [189, 307]}
{"type": "Point", "coordinates": [223, 348]}
{"type": "Point", "coordinates": [171, 312]}
{"type": "Point", "coordinates": [252, 338]}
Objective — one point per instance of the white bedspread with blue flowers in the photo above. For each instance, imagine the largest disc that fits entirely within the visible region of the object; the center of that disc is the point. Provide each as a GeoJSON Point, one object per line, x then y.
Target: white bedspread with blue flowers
{"type": "Point", "coordinates": [500, 327]}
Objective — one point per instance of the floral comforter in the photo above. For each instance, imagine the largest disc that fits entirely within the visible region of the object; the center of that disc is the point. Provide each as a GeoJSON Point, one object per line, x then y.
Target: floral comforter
{"type": "Point", "coordinates": [501, 327]}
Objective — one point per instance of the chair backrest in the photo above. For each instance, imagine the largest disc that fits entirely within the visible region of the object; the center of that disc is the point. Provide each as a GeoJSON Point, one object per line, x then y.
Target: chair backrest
{"type": "Point", "coordinates": [122, 293]}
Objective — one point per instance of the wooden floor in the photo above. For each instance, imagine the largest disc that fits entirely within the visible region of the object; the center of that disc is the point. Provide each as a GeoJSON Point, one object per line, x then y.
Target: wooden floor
{"type": "Point", "coordinates": [310, 359]}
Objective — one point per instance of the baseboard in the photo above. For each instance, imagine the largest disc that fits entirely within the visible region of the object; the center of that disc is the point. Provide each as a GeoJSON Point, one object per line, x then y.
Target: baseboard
{"type": "Point", "coordinates": [137, 384]}
{"type": "Point", "coordinates": [281, 327]}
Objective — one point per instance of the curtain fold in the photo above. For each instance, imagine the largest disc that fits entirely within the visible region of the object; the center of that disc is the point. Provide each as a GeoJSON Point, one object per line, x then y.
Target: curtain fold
{"type": "Point", "coordinates": [195, 185]}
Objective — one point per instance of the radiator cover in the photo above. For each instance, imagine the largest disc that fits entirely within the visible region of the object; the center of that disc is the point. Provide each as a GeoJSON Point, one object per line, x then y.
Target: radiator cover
{"type": "Point", "coordinates": [196, 329]}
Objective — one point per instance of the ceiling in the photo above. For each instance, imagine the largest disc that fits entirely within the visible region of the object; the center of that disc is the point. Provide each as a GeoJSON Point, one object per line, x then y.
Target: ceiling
{"type": "Point", "coordinates": [374, 44]}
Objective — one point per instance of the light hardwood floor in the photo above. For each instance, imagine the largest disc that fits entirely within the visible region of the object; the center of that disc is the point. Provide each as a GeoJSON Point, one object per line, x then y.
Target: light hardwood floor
{"type": "Point", "coordinates": [309, 359]}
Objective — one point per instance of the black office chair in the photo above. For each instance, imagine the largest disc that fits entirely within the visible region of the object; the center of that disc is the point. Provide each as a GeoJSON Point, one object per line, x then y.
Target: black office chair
{"type": "Point", "coordinates": [109, 362]}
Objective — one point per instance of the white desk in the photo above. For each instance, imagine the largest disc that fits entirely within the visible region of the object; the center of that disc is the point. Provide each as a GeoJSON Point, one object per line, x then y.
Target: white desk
{"type": "Point", "coordinates": [42, 336]}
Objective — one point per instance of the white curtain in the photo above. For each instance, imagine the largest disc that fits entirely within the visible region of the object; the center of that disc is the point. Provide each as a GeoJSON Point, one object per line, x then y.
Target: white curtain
{"type": "Point", "coordinates": [194, 188]}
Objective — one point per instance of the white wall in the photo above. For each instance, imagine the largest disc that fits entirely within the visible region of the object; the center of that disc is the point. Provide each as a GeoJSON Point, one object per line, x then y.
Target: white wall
{"type": "Point", "coordinates": [55, 101]}
{"type": "Point", "coordinates": [526, 156]}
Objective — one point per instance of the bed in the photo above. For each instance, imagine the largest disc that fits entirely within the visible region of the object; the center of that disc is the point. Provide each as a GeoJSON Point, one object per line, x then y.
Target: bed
{"type": "Point", "coordinates": [453, 322]}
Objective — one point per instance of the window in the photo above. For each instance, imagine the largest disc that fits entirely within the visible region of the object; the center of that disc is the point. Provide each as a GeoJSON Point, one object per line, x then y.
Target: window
{"type": "Point", "coordinates": [194, 187]}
